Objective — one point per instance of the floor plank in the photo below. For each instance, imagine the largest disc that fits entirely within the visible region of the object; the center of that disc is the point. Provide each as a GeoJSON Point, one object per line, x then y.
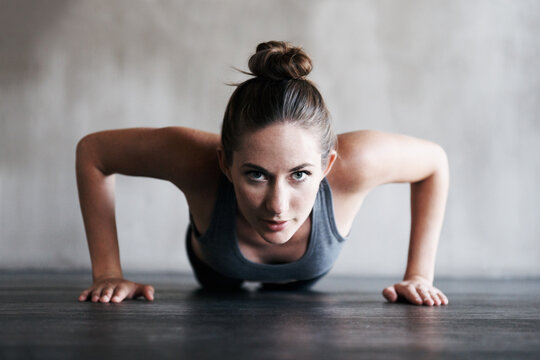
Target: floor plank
{"type": "Point", "coordinates": [342, 318]}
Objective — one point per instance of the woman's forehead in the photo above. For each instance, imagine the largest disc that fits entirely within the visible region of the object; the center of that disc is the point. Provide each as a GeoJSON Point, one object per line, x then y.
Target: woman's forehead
{"type": "Point", "coordinates": [279, 143]}
{"type": "Point", "coordinates": [284, 134]}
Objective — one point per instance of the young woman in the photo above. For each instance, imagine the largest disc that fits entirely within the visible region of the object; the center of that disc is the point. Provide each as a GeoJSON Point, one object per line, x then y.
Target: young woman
{"type": "Point", "coordinates": [274, 198]}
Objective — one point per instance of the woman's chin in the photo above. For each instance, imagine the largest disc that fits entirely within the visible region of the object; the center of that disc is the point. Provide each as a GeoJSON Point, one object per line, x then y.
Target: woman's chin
{"type": "Point", "coordinates": [275, 238]}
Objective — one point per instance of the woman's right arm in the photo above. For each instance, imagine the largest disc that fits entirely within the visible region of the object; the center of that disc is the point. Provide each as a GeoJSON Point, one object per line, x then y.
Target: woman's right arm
{"type": "Point", "coordinates": [175, 154]}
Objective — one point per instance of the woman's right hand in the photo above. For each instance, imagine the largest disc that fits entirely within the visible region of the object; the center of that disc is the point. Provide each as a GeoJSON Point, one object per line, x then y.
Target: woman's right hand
{"type": "Point", "coordinates": [116, 290]}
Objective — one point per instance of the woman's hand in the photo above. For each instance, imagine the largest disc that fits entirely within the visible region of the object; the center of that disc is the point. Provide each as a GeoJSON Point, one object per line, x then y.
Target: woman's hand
{"type": "Point", "coordinates": [416, 290]}
{"type": "Point", "coordinates": [115, 290]}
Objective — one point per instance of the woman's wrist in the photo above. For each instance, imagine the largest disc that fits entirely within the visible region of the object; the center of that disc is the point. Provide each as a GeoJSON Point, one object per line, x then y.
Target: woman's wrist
{"type": "Point", "coordinates": [113, 274]}
{"type": "Point", "coordinates": [418, 277]}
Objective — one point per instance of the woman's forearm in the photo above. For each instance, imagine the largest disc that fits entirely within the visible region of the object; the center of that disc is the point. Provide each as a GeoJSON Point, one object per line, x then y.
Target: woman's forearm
{"type": "Point", "coordinates": [428, 202]}
{"type": "Point", "coordinates": [96, 197]}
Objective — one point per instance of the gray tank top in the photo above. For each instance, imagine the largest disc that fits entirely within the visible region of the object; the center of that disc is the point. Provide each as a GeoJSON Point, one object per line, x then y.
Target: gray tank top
{"type": "Point", "coordinates": [219, 245]}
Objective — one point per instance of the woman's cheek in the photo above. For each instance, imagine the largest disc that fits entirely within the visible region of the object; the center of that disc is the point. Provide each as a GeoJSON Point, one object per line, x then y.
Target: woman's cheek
{"type": "Point", "coordinates": [251, 200]}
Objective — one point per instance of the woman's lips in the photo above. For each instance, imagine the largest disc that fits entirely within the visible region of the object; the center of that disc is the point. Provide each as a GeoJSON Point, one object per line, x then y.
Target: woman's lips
{"type": "Point", "coordinates": [276, 225]}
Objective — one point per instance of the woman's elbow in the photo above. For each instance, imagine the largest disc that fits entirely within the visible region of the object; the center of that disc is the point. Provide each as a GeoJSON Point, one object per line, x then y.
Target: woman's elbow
{"type": "Point", "coordinates": [86, 151]}
{"type": "Point", "coordinates": [442, 159]}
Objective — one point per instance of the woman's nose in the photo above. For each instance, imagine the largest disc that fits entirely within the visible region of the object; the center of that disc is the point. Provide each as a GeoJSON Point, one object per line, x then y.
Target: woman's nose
{"type": "Point", "coordinates": [277, 201]}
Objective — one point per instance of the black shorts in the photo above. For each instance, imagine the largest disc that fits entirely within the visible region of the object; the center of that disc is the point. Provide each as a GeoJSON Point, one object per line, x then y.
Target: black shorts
{"type": "Point", "coordinates": [210, 279]}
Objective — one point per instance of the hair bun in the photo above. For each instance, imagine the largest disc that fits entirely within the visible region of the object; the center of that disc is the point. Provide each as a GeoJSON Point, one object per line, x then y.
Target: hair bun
{"type": "Point", "coordinates": [279, 60]}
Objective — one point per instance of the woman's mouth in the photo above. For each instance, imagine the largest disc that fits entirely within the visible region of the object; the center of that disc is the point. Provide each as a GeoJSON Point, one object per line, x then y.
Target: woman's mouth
{"type": "Point", "coordinates": [275, 225]}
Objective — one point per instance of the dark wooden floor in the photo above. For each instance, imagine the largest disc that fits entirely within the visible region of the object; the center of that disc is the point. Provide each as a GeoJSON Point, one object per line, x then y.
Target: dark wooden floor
{"type": "Point", "coordinates": [342, 318]}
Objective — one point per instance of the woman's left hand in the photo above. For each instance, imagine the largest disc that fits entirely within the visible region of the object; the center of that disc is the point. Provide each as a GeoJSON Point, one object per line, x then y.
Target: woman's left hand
{"type": "Point", "coordinates": [416, 290]}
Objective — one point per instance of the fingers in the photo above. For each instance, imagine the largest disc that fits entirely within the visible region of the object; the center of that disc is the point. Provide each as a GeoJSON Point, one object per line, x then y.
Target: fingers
{"type": "Point", "coordinates": [123, 292]}
{"type": "Point", "coordinates": [96, 293]}
{"type": "Point", "coordinates": [425, 295]}
{"type": "Point", "coordinates": [106, 294]}
{"type": "Point", "coordinates": [100, 294]}
{"type": "Point", "coordinates": [120, 293]}
{"type": "Point", "coordinates": [443, 298]}
{"type": "Point", "coordinates": [413, 295]}
{"type": "Point", "coordinates": [403, 291]}
{"type": "Point", "coordinates": [149, 293]}
{"type": "Point", "coordinates": [84, 295]}
{"type": "Point", "coordinates": [438, 297]}
{"type": "Point", "coordinates": [434, 297]}
{"type": "Point", "coordinates": [418, 294]}
{"type": "Point", "coordinates": [145, 290]}
{"type": "Point", "coordinates": [390, 294]}
{"type": "Point", "coordinates": [116, 291]}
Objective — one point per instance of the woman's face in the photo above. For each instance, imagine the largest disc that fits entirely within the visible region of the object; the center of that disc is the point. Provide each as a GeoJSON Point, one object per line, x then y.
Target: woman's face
{"type": "Point", "coordinates": [276, 174]}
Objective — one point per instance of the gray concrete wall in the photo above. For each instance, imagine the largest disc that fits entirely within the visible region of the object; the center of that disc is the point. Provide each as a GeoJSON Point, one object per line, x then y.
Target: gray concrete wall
{"type": "Point", "coordinates": [464, 73]}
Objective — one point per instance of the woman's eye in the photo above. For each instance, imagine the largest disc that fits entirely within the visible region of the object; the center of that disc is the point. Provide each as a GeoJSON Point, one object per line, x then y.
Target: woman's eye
{"type": "Point", "coordinates": [299, 175]}
{"type": "Point", "coordinates": [256, 175]}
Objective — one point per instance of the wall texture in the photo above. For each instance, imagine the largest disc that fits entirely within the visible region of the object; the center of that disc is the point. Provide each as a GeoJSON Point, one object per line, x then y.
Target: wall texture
{"type": "Point", "coordinates": [465, 74]}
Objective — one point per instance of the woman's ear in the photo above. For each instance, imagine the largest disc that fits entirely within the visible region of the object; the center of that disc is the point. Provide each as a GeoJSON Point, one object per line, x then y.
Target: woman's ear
{"type": "Point", "coordinates": [225, 168]}
{"type": "Point", "coordinates": [332, 156]}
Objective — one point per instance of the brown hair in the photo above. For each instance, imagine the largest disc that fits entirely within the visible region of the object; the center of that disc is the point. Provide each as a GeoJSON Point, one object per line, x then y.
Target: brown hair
{"type": "Point", "coordinates": [278, 92]}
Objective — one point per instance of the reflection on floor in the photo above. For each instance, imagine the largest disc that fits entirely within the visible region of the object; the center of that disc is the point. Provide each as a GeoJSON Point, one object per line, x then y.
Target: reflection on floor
{"type": "Point", "coordinates": [342, 318]}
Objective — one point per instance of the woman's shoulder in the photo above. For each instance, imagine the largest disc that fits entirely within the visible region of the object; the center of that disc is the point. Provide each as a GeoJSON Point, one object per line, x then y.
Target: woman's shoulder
{"type": "Point", "coordinates": [354, 173]}
{"type": "Point", "coordinates": [356, 158]}
{"type": "Point", "coordinates": [195, 158]}
{"type": "Point", "coordinates": [369, 158]}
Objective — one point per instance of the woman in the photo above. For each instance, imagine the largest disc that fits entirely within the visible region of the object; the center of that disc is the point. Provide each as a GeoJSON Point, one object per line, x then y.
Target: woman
{"type": "Point", "coordinates": [271, 201]}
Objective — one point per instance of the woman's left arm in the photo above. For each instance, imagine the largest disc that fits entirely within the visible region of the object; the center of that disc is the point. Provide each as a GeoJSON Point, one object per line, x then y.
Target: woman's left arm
{"type": "Point", "coordinates": [381, 158]}
{"type": "Point", "coordinates": [428, 201]}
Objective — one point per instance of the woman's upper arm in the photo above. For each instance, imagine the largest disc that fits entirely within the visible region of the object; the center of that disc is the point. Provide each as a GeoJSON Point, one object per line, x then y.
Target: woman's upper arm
{"type": "Point", "coordinates": [370, 158]}
{"type": "Point", "coordinates": [181, 155]}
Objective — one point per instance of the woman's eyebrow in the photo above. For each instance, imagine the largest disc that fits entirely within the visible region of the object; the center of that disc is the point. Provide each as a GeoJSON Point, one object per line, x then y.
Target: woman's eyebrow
{"type": "Point", "coordinates": [255, 167]}
{"type": "Point", "coordinates": [299, 167]}
{"type": "Point", "coordinates": [261, 169]}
